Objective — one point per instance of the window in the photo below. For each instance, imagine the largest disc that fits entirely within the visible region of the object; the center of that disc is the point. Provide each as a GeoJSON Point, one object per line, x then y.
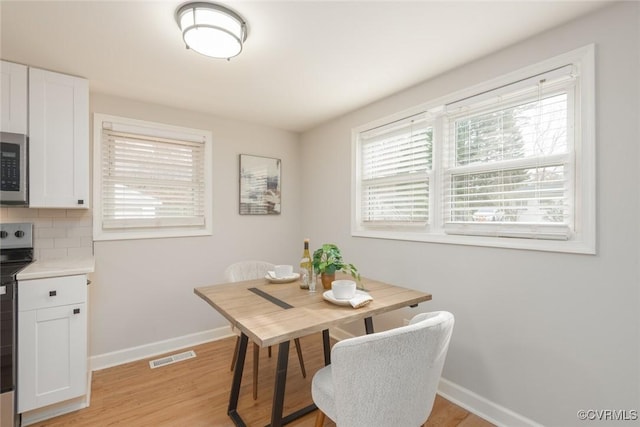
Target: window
{"type": "Point", "coordinates": [151, 180]}
{"type": "Point", "coordinates": [396, 166]}
{"type": "Point", "coordinates": [511, 162]}
{"type": "Point", "coordinates": [508, 163]}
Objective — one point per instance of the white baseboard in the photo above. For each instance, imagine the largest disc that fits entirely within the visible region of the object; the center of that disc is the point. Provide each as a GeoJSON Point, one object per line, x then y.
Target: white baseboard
{"type": "Point", "coordinates": [484, 408]}
{"type": "Point", "coordinates": [107, 360]}
{"type": "Point", "coordinates": [472, 402]}
{"type": "Point", "coordinates": [57, 409]}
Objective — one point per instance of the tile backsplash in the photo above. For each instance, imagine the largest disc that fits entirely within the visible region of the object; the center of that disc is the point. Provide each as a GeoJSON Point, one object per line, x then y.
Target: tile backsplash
{"type": "Point", "coordinates": [57, 233]}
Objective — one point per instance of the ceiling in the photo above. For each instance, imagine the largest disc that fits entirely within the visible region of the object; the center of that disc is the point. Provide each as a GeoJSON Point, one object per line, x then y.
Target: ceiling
{"type": "Point", "coordinates": [304, 62]}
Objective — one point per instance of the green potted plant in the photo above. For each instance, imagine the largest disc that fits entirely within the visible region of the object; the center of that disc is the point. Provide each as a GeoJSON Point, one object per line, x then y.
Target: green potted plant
{"type": "Point", "coordinates": [327, 260]}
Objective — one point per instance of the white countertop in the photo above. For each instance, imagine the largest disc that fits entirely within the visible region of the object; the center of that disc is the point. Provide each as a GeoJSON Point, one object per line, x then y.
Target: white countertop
{"type": "Point", "coordinates": [57, 267]}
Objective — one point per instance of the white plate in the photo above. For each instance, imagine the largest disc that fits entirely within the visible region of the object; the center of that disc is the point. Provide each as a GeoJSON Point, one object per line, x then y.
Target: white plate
{"type": "Point", "coordinates": [328, 295]}
{"type": "Point", "coordinates": [271, 277]}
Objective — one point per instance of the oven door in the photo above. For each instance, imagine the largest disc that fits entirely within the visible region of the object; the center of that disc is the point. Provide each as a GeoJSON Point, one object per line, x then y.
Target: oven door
{"type": "Point", "coordinates": [13, 168]}
{"type": "Point", "coordinates": [7, 337]}
{"type": "Point", "coordinates": [7, 353]}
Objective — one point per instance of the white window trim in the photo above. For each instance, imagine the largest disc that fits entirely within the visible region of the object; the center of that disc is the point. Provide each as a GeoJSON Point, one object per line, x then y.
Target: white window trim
{"type": "Point", "coordinates": [583, 240]}
{"type": "Point", "coordinates": [157, 129]}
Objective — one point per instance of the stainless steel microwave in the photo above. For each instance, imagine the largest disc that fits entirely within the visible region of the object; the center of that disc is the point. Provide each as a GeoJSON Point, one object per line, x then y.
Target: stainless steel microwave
{"type": "Point", "coordinates": [14, 186]}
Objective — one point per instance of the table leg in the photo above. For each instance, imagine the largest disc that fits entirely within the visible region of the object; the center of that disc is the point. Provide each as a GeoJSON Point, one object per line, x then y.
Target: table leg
{"type": "Point", "coordinates": [277, 420]}
{"type": "Point", "coordinates": [281, 379]}
{"type": "Point", "coordinates": [256, 358]}
{"type": "Point", "coordinates": [300, 359]}
{"type": "Point", "coordinates": [327, 347]}
{"type": "Point", "coordinates": [368, 325]}
{"type": "Point", "coordinates": [232, 410]}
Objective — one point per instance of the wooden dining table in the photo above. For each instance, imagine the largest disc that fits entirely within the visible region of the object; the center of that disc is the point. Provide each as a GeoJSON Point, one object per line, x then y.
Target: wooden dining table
{"type": "Point", "coordinates": [276, 313]}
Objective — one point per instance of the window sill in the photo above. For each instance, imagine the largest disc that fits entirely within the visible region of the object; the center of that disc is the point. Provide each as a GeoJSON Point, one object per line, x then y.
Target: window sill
{"type": "Point", "coordinates": [101, 235]}
{"type": "Point", "coordinates": [574, 246]}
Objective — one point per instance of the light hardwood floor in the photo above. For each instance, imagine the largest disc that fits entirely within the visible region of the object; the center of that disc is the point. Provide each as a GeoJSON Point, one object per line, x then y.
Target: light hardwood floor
{"type": "Point", "coordinates": [195, 393]}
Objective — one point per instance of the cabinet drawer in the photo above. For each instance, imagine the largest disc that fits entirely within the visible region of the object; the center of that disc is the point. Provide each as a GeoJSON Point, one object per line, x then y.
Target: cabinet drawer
{"type": "Point", "coordinates": [51, 292]}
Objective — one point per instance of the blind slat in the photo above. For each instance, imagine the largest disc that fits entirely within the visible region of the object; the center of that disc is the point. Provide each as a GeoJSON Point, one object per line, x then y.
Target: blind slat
{"type": "Point", "coordinates": [151, 181]}
{"type": "Point", "coordinates": [505, 161]}
{"type": "Point", "coordinates": [395, 165]}
{"type": "Point", "coordinates": [510, 169]}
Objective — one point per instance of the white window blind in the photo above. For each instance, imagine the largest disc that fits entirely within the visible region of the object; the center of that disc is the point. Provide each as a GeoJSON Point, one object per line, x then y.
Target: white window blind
{"type": "Point", "coordinates": [396, 162]}
{"type": "Point", "coordinates": [509, 162]}
{"type": "Point", "coordinates": [509, 171]}
{"type": "Point", "coordinates": [151, 178]}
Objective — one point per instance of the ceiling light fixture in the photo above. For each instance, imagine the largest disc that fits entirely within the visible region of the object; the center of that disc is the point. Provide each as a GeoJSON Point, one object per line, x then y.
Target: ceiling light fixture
{"type": "Point", "coordinates": [211, 29]}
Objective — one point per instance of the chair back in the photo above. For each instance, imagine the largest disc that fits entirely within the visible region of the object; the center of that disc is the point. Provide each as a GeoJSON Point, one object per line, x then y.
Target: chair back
{"type": "Point", "coordinates": [390, 378]}
{"type": "Point", "coordinates": [247, 270]}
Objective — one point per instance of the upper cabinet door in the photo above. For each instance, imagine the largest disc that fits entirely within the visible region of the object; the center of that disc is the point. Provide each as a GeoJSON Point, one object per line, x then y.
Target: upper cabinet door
{"type": "Point", "coordinates": [58, 140]}
{"type": "Point", "coordinates": [13, 92]}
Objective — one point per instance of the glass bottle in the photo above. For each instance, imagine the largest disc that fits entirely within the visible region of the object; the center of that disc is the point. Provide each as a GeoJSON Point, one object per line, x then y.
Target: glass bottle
{"type": "Point", "coordinates": [305, 267]}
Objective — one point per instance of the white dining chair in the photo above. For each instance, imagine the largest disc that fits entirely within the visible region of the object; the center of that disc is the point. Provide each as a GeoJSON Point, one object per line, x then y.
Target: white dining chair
{"type": "Point", "coordinates": [387, 378]}
{"type": "Point", "coordinates": [249, 270]}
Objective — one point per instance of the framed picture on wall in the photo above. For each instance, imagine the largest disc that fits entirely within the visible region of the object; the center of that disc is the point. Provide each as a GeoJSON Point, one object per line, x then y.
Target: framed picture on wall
{"type": "Point", "coordinates": [259, 185]}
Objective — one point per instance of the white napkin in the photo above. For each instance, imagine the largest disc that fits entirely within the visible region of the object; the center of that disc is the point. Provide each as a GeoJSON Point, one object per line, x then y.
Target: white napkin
{"type": "Point", "coordinates": [360, 300]}
{"type": "Point", "coordinates": [272, 274]}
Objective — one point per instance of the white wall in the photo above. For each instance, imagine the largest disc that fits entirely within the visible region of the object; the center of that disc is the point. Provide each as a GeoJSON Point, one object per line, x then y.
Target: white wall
{"type": "Point", "coordinates": [542, 334]}
{"type": "Point", "coordinates": [142, 290]}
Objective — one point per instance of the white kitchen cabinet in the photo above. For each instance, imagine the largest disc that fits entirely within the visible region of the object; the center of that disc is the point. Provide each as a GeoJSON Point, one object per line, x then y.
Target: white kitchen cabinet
{"type": "Point", "coordinates": [52, 340]}
{"type": "Point", "coordinates": [13, 95]}
{"type": "Point", "coordinates": [58, 140]}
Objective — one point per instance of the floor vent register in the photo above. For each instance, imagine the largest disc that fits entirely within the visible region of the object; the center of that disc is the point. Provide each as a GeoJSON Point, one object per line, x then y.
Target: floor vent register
{"type": "Point", "coordinates": [172, 359]}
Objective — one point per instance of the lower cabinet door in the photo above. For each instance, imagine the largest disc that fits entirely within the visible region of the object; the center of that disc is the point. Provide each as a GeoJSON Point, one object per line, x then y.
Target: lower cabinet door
{"type": "Point", "coordinates": [52, 354]}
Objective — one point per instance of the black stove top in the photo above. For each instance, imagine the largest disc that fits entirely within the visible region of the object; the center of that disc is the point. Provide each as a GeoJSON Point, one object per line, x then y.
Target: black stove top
{"type": "Point", "coordinates": [16, 249]}
{"type": "Point", "coordinates": [13, 268]}
{"type": "Point", "coordinates": [10, 270]}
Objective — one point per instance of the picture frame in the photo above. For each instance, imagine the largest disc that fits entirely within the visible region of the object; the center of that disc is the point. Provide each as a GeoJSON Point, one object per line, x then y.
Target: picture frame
{"type": "Point", "coordinates": [260, 185]}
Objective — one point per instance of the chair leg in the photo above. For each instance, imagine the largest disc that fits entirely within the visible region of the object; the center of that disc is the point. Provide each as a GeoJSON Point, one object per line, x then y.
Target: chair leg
{"type": "Point", "coordinates": [299, 351]}
{"type": "Point", "coordinates": [320, 418]}
{"type": "Point", "coordinates": [235, 353]}
{"type": "Point", "coordinates": [256, 357]}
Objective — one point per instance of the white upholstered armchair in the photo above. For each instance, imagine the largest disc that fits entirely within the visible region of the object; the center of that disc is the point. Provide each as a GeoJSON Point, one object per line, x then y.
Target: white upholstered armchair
{"type": "Point", "coordinates": [387, 378]}
{"type": "Point", "coordinates": [248, 270]}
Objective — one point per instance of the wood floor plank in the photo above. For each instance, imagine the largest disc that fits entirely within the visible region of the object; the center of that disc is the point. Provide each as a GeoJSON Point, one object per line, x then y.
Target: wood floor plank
{"type": "Point", "coordinates": [195, 392]}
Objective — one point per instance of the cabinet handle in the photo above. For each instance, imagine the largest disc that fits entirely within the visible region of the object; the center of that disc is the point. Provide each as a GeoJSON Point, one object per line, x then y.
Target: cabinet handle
{"type": "Point", "coordinates": [88, 282]}
{"type": "Point", "coordinates": [53, 293]}
{"type": "Point", "coordinates": [76, 311]}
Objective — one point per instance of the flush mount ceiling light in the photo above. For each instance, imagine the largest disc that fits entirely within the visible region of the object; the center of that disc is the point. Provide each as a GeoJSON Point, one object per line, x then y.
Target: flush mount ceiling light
{"type": "Point", "coordinates": [211, 29]}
